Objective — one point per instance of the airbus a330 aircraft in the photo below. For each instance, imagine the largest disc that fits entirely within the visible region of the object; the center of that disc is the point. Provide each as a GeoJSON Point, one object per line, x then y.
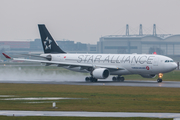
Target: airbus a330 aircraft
{"type": "Point", "coordinates": [100, 66]}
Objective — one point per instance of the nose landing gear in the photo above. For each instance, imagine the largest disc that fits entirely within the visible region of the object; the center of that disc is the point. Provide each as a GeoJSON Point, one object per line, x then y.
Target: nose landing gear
{"type": "Point", "coordinates": [159, 80]}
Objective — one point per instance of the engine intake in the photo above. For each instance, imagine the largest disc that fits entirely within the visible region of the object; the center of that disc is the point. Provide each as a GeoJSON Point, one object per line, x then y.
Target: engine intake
{"type": "Point", "coordinates": [100, 73]}
{"type": "Point", "coordinates": [49, 57]}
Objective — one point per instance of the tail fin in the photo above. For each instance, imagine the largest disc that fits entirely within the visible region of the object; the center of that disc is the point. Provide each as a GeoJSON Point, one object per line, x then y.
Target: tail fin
{"type": "Point", "coordinates": [49, 45]}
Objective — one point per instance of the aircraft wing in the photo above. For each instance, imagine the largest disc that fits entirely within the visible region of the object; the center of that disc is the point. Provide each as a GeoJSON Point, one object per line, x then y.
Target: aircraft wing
{"type": "Point", "coordinates": [61, 64]}
{"type": "Point", "coordinates": [70, 64]}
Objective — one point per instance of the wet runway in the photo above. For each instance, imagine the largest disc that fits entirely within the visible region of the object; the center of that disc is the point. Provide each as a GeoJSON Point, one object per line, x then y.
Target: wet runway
{"type": "Point", "coordinates": [139, 83]}
{"type": "Point", "coordinates": [88, 114]}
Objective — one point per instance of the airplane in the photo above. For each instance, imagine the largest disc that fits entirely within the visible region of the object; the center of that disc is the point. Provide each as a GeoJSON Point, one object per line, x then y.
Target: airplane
{"type": "Point", "coordinates": [101, 66]}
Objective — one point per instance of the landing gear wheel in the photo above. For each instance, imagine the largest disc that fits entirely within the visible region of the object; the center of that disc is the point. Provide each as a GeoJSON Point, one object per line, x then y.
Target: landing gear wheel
{"type": "Point", "coordinates": [159, 80]}
{"type": "Point", "coordinates": [93, 79]}
{"type": "Point", "coordinates": [118, 79]}
{"type": "Point", "coordinates": [122, 79]}
{"type": "Point", "coordinates": [87, 79]}
{"type": "Point", "coordinates": [114, 78]}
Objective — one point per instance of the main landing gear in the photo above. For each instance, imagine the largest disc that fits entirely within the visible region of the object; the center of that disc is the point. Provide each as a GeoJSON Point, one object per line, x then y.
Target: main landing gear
{"type": "Point", "coordinates": [118, 78]}
{"type": "Point", "coordinates": [159, 80]}
{"type": "Point", "coordinates": [91, 79]}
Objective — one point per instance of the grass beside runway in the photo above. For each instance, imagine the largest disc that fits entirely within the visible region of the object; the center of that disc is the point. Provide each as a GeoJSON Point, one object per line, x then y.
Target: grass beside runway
{"type": "Point", "coordinates": [96, 98]}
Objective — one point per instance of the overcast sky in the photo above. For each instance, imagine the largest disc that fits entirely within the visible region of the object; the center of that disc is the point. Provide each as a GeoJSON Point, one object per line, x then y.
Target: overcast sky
{"type": "Point", "coordinates": [86, 20]}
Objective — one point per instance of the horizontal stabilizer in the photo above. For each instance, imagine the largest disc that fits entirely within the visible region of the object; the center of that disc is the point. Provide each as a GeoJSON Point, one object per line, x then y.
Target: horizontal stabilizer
{"type": "Point", "coordinates": [6, 56]}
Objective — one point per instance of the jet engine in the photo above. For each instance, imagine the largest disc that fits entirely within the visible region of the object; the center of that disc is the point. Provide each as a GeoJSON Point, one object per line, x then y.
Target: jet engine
{"type": "Point", "coordinates": [100, 73]}
{"type": "Point", "coordinates": [49, 57]}
{"type": "Point", "coordinates": [148, 75]}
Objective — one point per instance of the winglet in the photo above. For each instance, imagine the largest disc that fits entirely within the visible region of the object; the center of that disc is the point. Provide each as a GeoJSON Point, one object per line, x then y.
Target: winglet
{"type": "Point", "coordinates": [6, 56]}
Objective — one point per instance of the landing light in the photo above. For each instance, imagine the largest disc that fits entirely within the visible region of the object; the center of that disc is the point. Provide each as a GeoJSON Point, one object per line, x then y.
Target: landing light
{"type": "Point", "coordinates": [160, 75]}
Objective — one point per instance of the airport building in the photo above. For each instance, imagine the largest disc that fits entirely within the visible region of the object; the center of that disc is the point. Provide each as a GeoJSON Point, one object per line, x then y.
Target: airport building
{"type": "Point", "coordinates": [164, 44]}
{"type": "Point", "coordinates": [35, 47]}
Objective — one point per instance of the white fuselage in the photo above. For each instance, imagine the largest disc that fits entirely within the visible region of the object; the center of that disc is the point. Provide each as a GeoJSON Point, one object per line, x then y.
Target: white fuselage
{"type": "Point", "coordinates": [131, 63]}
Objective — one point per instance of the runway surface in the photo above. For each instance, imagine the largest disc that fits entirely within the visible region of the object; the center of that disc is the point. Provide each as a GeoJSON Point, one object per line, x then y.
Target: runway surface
{"type": "Point", "coordinates": [88, 114]}
{"type": "Point", "coordinates": [139, 83]}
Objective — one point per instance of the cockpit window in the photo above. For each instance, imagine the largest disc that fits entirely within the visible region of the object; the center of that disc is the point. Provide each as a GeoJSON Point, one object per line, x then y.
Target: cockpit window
{"type": "Point", "coordinates": [169, 61]}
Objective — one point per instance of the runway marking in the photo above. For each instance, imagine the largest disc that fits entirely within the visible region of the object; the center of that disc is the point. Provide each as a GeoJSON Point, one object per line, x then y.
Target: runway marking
{"type": "Point", "coordinates": [7, 96]}
{"type": "Point", "coordinates": [41, 98]}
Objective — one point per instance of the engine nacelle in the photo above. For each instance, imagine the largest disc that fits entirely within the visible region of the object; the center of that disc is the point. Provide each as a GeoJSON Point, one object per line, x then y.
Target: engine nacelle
{"type": "Point", "coordinates": [49, 57]}
{"type": "Point", "coordinates": [100, 73]}
{"type": "Point", "coordinates": [148, 75]}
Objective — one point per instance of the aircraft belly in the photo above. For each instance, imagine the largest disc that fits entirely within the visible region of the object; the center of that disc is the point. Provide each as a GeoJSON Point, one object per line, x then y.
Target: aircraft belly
{"type": "Point", "coordinates": [120, 72]}
{"type": "Point", "coordinates": [77, 69]}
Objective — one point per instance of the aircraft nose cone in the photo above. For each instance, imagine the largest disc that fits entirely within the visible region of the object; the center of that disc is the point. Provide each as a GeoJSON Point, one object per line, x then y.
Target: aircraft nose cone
{"type": "Point", "coordinates": [170, 67]}
{"type": "Point", "coordinates": [174, 66]}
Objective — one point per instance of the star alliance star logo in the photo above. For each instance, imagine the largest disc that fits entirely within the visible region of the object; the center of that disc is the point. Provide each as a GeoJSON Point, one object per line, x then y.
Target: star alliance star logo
{"type": "Point", "coordinates": [47, 43]}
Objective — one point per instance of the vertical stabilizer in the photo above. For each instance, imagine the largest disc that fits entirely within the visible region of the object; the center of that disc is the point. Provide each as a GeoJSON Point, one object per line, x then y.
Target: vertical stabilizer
{"type": "Point", "coordinates": [49, 45]}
